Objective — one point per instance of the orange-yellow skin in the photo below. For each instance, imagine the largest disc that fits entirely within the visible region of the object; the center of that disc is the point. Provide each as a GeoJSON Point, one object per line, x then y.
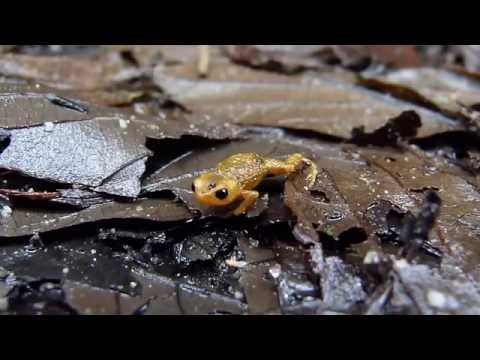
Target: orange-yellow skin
{"type": "Point", "coordinates": [237, 176]}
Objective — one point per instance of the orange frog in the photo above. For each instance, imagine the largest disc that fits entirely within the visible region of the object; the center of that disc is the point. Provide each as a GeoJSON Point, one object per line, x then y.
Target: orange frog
{"type": "Point", "coordinates": [236, 177]}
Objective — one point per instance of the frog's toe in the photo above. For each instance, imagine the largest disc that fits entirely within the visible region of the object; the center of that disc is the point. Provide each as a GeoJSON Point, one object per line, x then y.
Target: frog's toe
{"type": "Point", "coordinates": [312, 174]}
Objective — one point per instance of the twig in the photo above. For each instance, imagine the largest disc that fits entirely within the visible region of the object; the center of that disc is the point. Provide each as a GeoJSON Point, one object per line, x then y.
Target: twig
{"type": "Point", "coordinates": [203, 60]}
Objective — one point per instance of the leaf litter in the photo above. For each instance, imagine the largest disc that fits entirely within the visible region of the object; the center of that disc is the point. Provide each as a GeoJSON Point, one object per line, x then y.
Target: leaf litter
{"type": "Point", "coordinates": [97, 215]}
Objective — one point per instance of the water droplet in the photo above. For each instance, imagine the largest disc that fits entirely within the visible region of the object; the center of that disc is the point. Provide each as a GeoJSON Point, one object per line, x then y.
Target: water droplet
{"type": "Point", "coordinates": [123, 123]}
{"type": "Point", "coordinates": [436, 299]}
{"type": "Point", "coordinates": [5, 211]}
{"type": "Point", "coordinates": [372, 257]}
{"type": "Point", "coordinates": [49, 126]}
{"type": "Point", "coordinates": [275, 271]}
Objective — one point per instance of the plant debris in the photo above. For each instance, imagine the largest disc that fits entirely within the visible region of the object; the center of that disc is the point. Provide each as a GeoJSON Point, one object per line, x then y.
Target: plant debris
{"type": "Point", "coordinates": [400, 129]}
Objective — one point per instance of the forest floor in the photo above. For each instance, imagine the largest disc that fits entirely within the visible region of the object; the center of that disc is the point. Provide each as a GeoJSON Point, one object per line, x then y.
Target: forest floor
{"type": "Point", "coordinates": [99, 146]}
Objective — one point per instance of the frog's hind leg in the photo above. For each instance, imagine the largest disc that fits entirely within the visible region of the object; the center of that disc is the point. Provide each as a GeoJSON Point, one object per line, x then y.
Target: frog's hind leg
{"type": "Point", "coordinates": [292, 164]}
{"type": "Point", "coordinates": [249, 198]}
{"type": "Point", "coordinates": [279, 167]}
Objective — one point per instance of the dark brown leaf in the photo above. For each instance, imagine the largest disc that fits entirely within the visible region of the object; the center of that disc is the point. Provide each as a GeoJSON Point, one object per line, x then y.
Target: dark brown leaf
{"type": "Point", "coordinates": [320, 103]}
{"type": "Point", "coordinates": [439, 90]}
{"type": "Point", "coordinates": [27, 221]}
{"type": "Point", "coordinates": [70, 72]}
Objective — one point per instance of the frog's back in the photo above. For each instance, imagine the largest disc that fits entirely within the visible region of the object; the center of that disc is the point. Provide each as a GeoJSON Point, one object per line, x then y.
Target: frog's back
{"type": "Point", "coordinates": [249, 169]}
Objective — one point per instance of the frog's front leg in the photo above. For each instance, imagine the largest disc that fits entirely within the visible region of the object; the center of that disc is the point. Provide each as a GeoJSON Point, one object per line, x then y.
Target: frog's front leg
{"type": "Point", "coordinates": [249, 198]}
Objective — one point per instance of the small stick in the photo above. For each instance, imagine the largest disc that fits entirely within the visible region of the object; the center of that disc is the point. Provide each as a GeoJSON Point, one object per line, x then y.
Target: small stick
{"type": "Point", "coordinates": [38, 196]}
{"type": "Point", "coordinates": [203, 60]}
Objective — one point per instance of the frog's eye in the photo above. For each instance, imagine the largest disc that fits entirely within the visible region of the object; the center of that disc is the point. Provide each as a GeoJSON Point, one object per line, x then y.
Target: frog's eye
{"type": "Point", "coordinates": [193, 187]}
{"type": "Point", "coordinates": [222, 194]}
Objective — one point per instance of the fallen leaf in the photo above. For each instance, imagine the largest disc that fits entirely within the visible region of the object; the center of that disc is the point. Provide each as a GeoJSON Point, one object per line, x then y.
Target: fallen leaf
{"type": "Point", "coordinates": [320, 103]}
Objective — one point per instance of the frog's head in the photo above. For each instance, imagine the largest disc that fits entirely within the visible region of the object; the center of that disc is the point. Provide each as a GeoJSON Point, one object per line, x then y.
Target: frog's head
{"type": "Point", "coordinates": [215, 190]}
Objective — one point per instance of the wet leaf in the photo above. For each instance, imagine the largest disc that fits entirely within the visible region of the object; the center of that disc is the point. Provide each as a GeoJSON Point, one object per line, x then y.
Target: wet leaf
{"type": "Point", "coordinates": [277, 60]}
{"type": "Point", "coordinates": [160, 296]}
{"type": "Point", "coordinates": [437, 89]}
{"type": "Point", "coordinates": [38, 298]}
{"type": "Point", "coordinates": [62, 151]}
{"type": "Point", "coordinates": [399, 129]}
{"type": "Point", "coordinates": [398, 56]}
{"type": "Point", "coordinates": [149, 55]}
{"type": "Point", "coordinates": [55, 50]}
{"type": "Point", "coordinates": [320, 103]}
{"type": "Point", "coordinates": [89, 270]}
{"type": "Point", "coordinates": [203, 247]}
{"type": "Point", "coordinates": [80, 261]}
{"type": "Point", "coordinates": [419, 289]}
{"type": "Point", "coordinates": [71, 135]}
{"type": "Point", "coordinates": [22, 110]}
{"type": "Point", "coordinates": [341, 287]}
{"type": "Point", "coordinates": [96, 71]}
{"type": "Point", "coordinates": [295, 58]}
{"type": "Point", "coordinates": [453, 236]}
{"type": "Point", "coordinates": [470, 55]}
{"type": "Point", "coordinates": [320, 209]}
{"type": "Point", "coordinates": [27, 221]}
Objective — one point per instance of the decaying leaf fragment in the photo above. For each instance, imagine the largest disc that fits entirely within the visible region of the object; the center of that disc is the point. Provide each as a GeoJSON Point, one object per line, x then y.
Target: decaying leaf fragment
{"type": "Point", "coordinates": [420, 290]}
{"type": "Point", "coordinates": [342, 287]}
{"type": "Point", "coordinates": [415, 230]}
{"type": "Point", "coordinates": [321, 209]}
{"type": "Point", "coordinates": [401, 128]}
